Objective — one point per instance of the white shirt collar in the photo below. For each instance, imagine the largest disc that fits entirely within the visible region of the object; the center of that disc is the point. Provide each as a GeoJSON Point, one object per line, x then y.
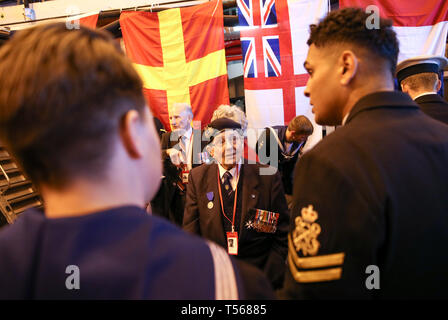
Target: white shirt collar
{"type": "Point", "coordinates": [235, 175]}
{"type": "Point", "coordinates": [424, 94]}
{"type": "Point", "coordinates": [232, 171]}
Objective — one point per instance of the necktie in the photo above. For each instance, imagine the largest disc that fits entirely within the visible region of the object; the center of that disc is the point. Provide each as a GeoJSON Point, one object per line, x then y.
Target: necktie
{"type": "Point", "coordinates": [227, 176]}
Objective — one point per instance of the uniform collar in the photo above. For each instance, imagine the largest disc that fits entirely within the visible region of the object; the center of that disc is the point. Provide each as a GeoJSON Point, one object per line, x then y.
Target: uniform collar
{"type": "Point", "coordinates": [424, 94]}
{"type": "Point", "coordinates": [382, 99]}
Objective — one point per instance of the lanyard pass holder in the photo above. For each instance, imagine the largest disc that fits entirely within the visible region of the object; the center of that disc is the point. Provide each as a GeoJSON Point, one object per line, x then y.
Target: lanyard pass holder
{"type": "Point", "coordinates": [232, 242]}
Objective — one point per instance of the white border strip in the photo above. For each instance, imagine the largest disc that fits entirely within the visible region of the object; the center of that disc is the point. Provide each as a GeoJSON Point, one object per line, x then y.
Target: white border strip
{"type": "Point", "coordinates": [225, 281]}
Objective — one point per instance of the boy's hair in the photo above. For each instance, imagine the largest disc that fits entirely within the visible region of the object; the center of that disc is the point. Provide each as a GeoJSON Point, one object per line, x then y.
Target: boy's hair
{"type": "Point", "coordinates": [301, 125]}
{"type": "Point", "coordinates": [63, 96]}
{"type": "Point", "coordinates": [426, 81]}
{"type": "Point", "coordinates": [348, 26]}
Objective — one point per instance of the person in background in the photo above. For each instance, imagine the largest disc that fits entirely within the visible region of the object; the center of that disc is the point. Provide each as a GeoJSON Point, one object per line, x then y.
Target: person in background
{"type": "Point", "coordinates": [288, 142]}
{"type": "Point", "coordinates": [369, 212]}
{"type": "Point", "coordinates": [419, 77]}
{"type": "Point", "coordinates": [73, 114]}
{"type": "Point", "coordinates": [182, 150]}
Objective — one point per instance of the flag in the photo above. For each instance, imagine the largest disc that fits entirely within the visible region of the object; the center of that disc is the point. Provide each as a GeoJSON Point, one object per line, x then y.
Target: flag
{"type": "Point", "coordinates": [180, 56]}
{"type": "Point", "coordinates": [87, 20]}
{"type": "Point", "coordinates": [421, 25]}
{"type": "Point", "coordinates": [273, 40]}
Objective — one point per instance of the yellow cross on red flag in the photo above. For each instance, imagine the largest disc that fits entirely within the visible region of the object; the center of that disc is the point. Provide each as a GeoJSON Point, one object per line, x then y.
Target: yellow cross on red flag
{"type": "Point", "coordinates": [180, 56]}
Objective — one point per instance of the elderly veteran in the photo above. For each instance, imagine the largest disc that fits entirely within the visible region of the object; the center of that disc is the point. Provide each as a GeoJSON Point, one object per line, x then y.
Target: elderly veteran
{"type": "Point", "coordinates": [239, 206]}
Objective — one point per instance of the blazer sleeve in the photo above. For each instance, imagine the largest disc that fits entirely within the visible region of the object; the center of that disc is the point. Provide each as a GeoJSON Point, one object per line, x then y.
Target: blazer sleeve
{"type": "Point", "coordinates": [191, 212]}
{"type": "Point", "coordinates": [276, 262]}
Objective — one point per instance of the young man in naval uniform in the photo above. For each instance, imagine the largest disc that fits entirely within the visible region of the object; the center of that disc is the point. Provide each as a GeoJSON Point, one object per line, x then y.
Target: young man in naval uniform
{"type": "Point", "coordinates": [419, 77]}
{"type": "Point", "coordinates": [74, 116]}
{"type": "Point", "coordinates": [288, 142]}
{"type": "Point", "coordinates": [369, 214]}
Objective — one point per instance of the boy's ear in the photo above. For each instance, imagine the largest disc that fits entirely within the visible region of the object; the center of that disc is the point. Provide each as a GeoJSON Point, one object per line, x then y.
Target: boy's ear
{"type": "Point", "coordinates": [130, 133]}
{"type": "Point", "coordinates": [439, 85]}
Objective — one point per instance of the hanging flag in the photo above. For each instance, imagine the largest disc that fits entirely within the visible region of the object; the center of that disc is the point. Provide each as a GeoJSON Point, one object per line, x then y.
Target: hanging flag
{"type": "Point", "coordinates": [180, 55]}
{"type": "Point", "coordinates": [273, 40]}
{"type": "Point", "coordinates": [87, 20]}
{"type": "Point", "coordinates": [421, 25]}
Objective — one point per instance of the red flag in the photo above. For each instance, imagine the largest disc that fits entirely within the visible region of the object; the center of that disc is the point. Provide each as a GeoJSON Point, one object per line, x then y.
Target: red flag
{"type": "Point", "coordinates": [421, 25]}
{"type": "Point", "coordinates": [180, 55]}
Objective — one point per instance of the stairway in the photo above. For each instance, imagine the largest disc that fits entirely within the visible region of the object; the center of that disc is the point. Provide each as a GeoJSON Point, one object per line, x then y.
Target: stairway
{"type": "Point", "coordinates": [17, 193]}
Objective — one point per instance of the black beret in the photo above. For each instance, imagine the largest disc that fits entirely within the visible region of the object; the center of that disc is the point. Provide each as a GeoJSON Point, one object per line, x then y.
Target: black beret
{"type": "Point", "coordinates": [224, 123]}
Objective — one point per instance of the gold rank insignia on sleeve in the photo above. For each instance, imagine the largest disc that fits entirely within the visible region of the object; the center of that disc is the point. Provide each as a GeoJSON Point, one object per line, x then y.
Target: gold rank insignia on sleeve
{"type": "Point", "coordinates": [304, 240]}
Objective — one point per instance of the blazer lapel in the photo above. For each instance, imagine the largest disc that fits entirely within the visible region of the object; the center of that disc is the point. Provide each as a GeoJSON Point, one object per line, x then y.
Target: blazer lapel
{"type": "Point", "coordinates": [250, 192]}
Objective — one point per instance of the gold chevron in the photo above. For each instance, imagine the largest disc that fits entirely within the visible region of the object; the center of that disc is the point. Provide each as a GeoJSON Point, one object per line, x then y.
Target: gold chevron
{"type": "Point", "coordinates": [321, 261]}
{"type": "Point", "coordinates": [315, 275]}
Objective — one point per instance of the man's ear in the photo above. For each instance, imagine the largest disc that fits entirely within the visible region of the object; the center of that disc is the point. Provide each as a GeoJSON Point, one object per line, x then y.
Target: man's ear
{"type": "Point", "coordinates": [439, 85]}
{"type": "Point", "coordinates": [404, 88]}
{"type": "Point", "coordinates": [348, 66]}
{"type": "Point", "coordinates": [131, 134]}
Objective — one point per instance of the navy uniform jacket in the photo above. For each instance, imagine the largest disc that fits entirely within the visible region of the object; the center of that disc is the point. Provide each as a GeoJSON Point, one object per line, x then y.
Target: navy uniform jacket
{"type": "Point", "coordinates": [434, 106]}
{"type": "Point", "coordinates": [285, 164]}
{"type": "Point", "coordinates": [121, 253]}
{"type": "Point", "coordinates": [267, 251]}
{"type": "Point", "coordinates": [169, 201]}
{"type": "Point", "coordinates": [374, 192]}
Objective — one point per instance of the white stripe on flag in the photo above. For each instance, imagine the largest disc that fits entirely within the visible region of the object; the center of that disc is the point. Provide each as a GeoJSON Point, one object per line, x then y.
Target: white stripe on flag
{"type": "Point", "coordinates": [313, 11]}
{"type": "Point", "coordinates": [303, 107]}
{"type": "Point", "coordinates": [302, 13]}
{"type": "Point", "coordinates": [415, 41]}
{"type": "Point", "coordinates": [265, 107]}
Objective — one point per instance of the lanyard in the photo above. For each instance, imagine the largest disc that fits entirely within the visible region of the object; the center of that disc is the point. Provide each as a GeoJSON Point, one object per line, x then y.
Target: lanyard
{"type": "Point", "coordinates": [234, 202]}
{"type": "Point", "coordinates": [282, 149]}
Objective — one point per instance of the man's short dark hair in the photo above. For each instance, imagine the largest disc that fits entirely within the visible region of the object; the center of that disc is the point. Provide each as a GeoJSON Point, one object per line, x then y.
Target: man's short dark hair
{"type": "Point", "coordinates": [63, 97]}
{"type": "Point", "coordinates": [348, 25]}
{"type": "Point", "coordinates": [426, 81]}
